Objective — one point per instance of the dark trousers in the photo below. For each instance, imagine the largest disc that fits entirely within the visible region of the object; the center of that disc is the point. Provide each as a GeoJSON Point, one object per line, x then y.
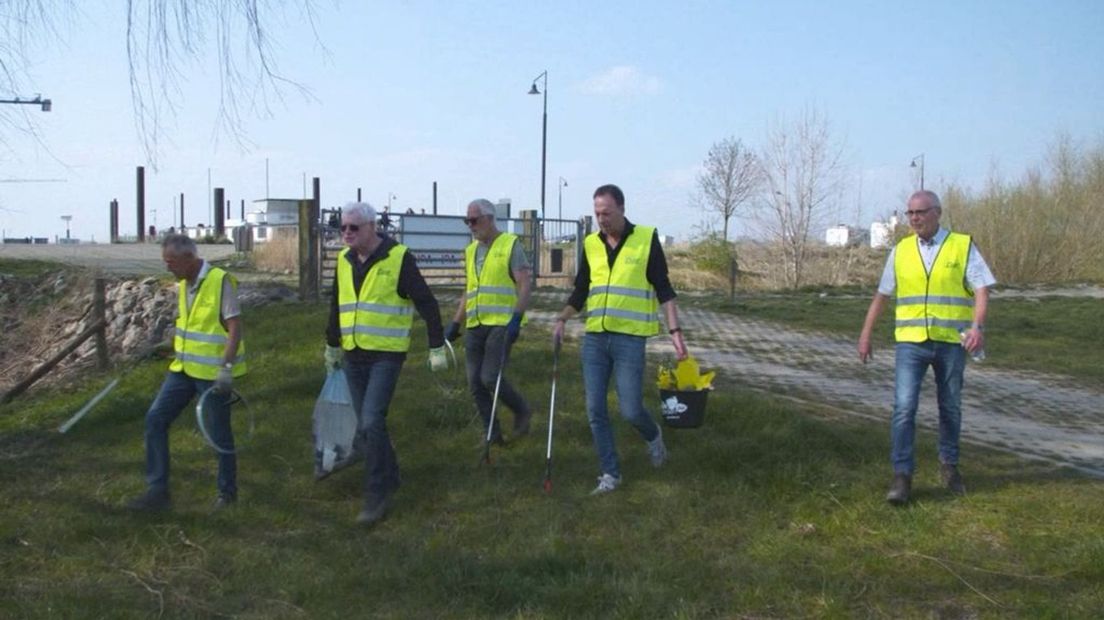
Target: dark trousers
{"type": "Point", "coordinates": [371, 385]}
{"type": "Point", "coordinates": [177, 390]}
{"type": "Point", "coordinates": [483, 346]}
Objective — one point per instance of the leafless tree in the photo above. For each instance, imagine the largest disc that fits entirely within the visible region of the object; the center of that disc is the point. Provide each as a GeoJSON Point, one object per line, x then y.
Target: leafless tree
{"type": "Point", "coordinates": [804, 175]}
{"type": "Point", "coordinates": [161, 37]}
{"type": "Point", "coordinates": [730, 176]}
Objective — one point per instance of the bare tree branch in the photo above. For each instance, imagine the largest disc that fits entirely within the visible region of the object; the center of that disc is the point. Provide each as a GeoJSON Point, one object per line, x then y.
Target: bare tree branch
{"type": "Point", "coordinates": [161, 36]}
{"type": "Point", "coordinates": [730, 176]}
{"type": "Point", "coordinates": [804, 174]}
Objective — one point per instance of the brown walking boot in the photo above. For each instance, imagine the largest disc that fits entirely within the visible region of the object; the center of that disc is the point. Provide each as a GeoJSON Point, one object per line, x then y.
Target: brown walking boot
{"type": "Point", "coordinates": [899, 490]}
{"type": "Point", "coordinates": [952, 479]}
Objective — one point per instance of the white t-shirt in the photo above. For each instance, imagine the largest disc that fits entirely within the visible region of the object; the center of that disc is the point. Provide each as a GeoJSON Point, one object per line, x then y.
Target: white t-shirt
{"type": "Point", "coordinates": [977, 271]}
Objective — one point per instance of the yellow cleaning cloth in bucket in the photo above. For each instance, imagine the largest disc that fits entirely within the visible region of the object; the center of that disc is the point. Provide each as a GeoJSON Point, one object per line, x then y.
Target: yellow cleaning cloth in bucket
{"type": "Point", "coordinates": [686, 377]}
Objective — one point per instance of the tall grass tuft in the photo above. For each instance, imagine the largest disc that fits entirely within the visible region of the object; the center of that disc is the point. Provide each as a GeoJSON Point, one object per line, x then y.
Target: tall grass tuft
{"type": "Point", "coordinates": [279, 255]}
{"type": "Point", "coordinates": [1046, 227]}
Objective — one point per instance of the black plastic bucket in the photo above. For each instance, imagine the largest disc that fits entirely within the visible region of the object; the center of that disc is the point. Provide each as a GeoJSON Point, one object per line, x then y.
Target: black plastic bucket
{"type": "Point", "coordinates": [683, 409]}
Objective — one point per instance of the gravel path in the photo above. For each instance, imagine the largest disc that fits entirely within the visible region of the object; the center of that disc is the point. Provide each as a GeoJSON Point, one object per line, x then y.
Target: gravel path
{"type": "Point", "coordinates": [1036, 416]}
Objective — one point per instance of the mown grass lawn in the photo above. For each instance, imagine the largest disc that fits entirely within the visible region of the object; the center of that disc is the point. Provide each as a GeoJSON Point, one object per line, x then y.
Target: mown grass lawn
{"type": "Point", "coordinates": [766, 511]}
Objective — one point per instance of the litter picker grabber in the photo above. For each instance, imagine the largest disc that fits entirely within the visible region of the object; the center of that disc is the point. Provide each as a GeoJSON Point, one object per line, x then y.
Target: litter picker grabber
{"type": "Point", "coordinates": [551, 418]}
{"type": "Point", "coordinates": [494, 405]}
{"type": "Point", "coordinates": [206, 422]}
{"type": "Point", "coordinates": [88, 406]}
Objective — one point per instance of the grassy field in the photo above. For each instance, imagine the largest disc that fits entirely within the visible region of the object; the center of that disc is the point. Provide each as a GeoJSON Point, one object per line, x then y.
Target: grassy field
{"type": "Point", "coordinates": [1062, 335]}
{"type": "Point", "coordinates": [767, 511]}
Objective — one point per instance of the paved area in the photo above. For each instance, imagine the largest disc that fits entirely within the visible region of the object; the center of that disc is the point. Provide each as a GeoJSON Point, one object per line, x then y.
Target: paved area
{"type": "Point", "coordinates": [113, 258]}
{"type": "Point", "coordinates": [1036, 416]}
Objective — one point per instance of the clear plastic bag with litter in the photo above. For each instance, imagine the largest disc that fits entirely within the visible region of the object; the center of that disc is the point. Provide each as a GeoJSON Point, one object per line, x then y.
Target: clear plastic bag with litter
{"type": "Point", "coordinates": [334, 426]}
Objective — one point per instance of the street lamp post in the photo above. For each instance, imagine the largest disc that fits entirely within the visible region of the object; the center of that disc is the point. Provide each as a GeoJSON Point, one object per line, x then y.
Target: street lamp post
{"type": "Point", "coordinates": [390, 197]}
{"type": "Point", "coordinates": [67, 219]}
{"type": "Point", "coordinates": [563, 184]}
{"type": "Point", "coordinates": [544, 130]}
{"type": "Point", "coordinates": [913, 165]}
{"type": "Point", "coordinates": [45, 104]}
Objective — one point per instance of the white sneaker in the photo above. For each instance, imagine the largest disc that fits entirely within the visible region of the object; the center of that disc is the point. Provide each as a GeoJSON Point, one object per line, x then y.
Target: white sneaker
{"type": "Point", "coordinates": [606, 483]}
{"type": "Point", "coordinates": [657, 450]}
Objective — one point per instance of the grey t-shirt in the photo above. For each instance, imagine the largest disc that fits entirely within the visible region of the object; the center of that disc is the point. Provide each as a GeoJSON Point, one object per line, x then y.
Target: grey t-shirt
{"type": "Point", "coordinates": [518, 260]}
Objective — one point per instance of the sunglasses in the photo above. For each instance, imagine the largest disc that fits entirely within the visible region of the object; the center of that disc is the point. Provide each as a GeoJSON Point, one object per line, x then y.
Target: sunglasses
{"type": "Point", "coordinates": [350, 227]}
{"type": "Point", "coordinates": [471, 221]}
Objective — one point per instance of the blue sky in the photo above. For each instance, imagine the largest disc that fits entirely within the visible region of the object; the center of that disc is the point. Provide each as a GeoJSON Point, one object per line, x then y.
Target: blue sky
{"type": "Point", "coordinates": [407, 93]}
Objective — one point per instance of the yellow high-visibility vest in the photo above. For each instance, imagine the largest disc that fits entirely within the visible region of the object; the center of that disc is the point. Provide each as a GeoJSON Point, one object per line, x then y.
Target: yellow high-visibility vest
{"type": "Point", "coordinates": [200, 338]}
{"type": "Point", "coordinates": [491, 295]}
{"type": "Point", "coordinates": [621, 299]}
{"type": "Point", "coordinates": [375, 318]}
{"type": "Point", "coordinates": [933, 306]}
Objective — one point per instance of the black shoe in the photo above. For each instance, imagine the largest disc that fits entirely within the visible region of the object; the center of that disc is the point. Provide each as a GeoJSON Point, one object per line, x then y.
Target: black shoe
{"type": "Point", "coordinates": [952, 479]}
{"type": "Point", "coordinates": [899, 490]}
{"type": "Point", "coordinates": [150, 501]}
{"type": "Point", "coordinates": [521, 424]}
{"type": "Point", "coordinates": [375, 509]}
{"type": "Point", "coordinates": [223, 501]}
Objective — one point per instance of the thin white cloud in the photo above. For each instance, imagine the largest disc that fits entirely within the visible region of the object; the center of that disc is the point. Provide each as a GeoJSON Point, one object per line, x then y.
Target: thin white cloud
{"type": "Point", "coordinates": [622, 80]}
{"type": "Point", "coordinates": [683, 178]}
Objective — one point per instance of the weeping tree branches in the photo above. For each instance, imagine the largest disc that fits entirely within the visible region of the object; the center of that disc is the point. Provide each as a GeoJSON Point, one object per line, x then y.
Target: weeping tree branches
{"type": "Point", "coordinates": [162, 36]}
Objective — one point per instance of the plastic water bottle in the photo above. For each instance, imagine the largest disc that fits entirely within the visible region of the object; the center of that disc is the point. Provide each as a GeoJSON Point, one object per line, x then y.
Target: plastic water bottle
{"type": "Point", "coordinates": [979, 354]}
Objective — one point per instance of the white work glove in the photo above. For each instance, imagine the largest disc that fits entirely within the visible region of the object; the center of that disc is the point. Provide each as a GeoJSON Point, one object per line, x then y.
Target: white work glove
{"type": "Point", "coordinates": [224, 380]}
{"type": "Point", "coordinates": [437, 359]}
{"type": "Point", "coordinates": [334, 357]}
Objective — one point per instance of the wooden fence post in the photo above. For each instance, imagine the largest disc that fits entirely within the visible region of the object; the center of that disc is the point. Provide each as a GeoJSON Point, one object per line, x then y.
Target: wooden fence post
{"type": "Point", "coordinates": [99, 304]}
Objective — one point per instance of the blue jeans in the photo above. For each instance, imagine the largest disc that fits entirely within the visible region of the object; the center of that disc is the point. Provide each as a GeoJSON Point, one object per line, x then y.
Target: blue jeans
{"type": "Point", "coordinates": [371, 386]}
{"type": "Point", "coordinates": [621, 356]}
{"type": "Point", "coordinates": [176, 392]}
{"type": "Point", "coordinates": [483, 356]}
{"type": "Point", "coordinates": [947, 361]}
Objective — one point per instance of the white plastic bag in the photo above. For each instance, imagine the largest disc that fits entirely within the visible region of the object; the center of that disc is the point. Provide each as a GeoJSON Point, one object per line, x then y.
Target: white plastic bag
{"type": "Point", "coordinates": [334, 426]}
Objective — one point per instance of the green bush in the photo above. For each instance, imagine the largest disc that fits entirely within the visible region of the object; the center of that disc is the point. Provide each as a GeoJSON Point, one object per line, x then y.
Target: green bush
{"type": "Point", "coordinates": [713, 254]}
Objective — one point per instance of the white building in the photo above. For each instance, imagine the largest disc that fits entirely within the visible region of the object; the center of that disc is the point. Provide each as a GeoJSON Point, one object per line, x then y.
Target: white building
{"type": "Point", "coordinates": [881, 233]}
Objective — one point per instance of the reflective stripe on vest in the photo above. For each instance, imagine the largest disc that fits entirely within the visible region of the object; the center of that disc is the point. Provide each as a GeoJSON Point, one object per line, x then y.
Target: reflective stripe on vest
{"type": "Point", "coordinates": [199, 341]}
{"type": "Point", "coordinates": [621, 299]}
{"type": "Point", "coordinates": [491, 294]}
{"type": "Point", "coordinates": [932, 306]}
{"type": "Point", "coordinates": [376, 318]}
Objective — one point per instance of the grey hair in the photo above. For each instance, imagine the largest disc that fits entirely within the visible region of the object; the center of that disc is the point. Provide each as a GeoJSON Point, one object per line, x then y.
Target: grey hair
{"type": "Point", "coordinates": [366, 211]}
{"type": "Point", "coordinates": [486, 207]}
{"type": "Point", "coordinates": [933, 199]}
{"type": "Point", "coordinates": [179, 245]}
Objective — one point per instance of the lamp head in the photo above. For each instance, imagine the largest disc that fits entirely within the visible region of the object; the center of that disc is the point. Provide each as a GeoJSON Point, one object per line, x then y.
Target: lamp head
{"type": "Point", "coordinates": [533, 90]}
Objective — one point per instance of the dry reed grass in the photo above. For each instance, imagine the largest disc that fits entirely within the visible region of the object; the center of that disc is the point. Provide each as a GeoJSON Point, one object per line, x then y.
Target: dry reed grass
{"type": "Point", "coordinates": [278, 255]}
{"type": "Point", "coordinates": [761, 268]}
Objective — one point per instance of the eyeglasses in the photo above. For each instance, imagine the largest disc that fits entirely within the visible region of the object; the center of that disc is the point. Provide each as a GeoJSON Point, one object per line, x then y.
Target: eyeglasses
{"type": "Point", "coordinates": [471, 221]}
{"type": "Point", "coordinates": [917, 212]}
{"type": "Point", "coordinates": [350, 227]}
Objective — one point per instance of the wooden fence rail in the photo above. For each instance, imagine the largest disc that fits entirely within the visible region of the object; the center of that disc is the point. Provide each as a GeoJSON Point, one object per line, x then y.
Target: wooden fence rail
{"type": "Point", "coordinates": [98, 328]}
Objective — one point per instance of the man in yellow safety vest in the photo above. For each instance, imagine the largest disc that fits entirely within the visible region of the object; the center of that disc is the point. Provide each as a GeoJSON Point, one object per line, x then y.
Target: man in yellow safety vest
{"type": "Point", "coordinates": [941, 284]}
{"type": "Point", "coordinates": [209, 353]}
{"type": "Point", "coordinates": [493, 310]}
{"type": "Point", "coordinates": [377, 287]}
{"type": "Point", "coordinates": [622, 282]}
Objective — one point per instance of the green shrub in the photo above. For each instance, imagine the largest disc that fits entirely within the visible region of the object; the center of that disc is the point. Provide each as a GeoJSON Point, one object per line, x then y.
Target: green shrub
{"type": "Point", "coordinates": [713, 254]}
